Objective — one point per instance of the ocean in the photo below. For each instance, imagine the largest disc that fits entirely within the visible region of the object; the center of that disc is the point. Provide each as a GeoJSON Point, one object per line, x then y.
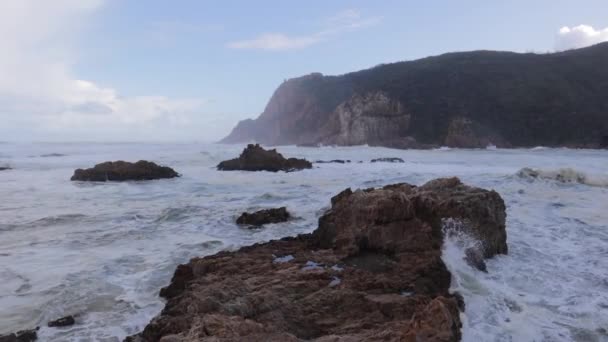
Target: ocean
{"type": "Point", "coordinates": [102, 251]}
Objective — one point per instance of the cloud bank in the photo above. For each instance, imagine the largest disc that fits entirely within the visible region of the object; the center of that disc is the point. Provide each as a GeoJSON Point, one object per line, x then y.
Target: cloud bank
{"type": "Point", "coordinates": [342, 22]}
{"type": "Point", "coordinates": [579, 37]}
{"type": "Point", "coordinates": [40, 95]}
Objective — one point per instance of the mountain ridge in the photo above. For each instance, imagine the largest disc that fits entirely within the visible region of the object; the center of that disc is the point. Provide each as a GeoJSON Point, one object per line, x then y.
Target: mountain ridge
{"type": "Point", "coordinates": [458, 99]}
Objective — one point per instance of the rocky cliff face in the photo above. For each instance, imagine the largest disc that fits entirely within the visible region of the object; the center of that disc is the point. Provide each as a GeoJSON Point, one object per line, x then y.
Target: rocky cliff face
{"type": "Point", "coordinates": [467, 99]}
{"type": "Point", "coordinates": [365, 119]}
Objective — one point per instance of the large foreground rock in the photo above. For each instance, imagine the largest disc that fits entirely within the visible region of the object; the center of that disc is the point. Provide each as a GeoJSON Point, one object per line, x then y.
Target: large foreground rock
{"type": "Point", "coordinates": [124, 171]}
{"type": "Point", "coordinates": [372, 271]}
{"type": "Point", "coordinates": [255, 158]}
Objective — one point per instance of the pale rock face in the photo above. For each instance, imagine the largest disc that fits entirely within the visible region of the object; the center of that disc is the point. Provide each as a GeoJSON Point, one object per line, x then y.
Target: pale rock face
{"type": "Point", "coordinates": [367, 118]}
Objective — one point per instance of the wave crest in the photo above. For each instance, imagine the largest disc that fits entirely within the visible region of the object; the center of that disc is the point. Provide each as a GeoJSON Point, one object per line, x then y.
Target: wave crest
{"type": "Point", "coordinates": [563, 175]}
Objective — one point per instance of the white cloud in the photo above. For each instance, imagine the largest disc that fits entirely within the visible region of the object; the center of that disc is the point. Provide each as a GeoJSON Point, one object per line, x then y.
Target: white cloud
{"type": "Point", "coordinates": [38, 90]}
{"type": "Point", "coordinates": [579, 36]}
{"type": "Point", "coordinates": [345, 21]}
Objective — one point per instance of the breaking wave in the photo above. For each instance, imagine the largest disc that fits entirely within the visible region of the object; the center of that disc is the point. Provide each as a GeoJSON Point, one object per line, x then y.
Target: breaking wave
{"type": "Point", "coordinates": [564, 175]}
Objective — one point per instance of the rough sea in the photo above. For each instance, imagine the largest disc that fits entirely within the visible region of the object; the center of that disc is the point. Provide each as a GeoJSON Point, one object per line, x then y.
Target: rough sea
{"type": "Point", "coordinates": [102, 251]}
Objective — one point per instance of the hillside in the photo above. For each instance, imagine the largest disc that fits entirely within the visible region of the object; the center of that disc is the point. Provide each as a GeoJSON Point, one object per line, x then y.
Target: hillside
{"type": "Point", "coordinates": [465, 99]}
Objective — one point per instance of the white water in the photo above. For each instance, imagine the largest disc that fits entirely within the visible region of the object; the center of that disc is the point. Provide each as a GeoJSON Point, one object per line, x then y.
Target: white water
{"type": "Point", "coordinates": [103, 251]}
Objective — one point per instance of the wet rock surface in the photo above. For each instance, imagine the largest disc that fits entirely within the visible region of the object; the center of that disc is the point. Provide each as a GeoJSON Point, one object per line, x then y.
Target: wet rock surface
{"type": "Point", "coordinates": [62, 322]}
{"type": "Point", "coordinates": [372, 271]}
{"type": "Point", "coordinates": [265, 216]}
{"type": "Point", "coordinates": [124, 171]}
{"type": "Point", "coordinates": [335, 161]}
{"type": "Point", "coordinates": [388, 160]}
{"type": "Point", "coordinates": [256, 158]}
{"type": "Point", "coordinates": [21, 336]}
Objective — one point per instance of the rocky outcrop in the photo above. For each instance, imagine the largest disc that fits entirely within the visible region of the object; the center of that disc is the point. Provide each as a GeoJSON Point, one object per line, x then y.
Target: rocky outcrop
{"type": "Point", "coordinates": [124, 171]}
{"type": "Point", "coordinates": [255, 158]}
{"type": "Point", "coordinates": [388, 160]}
{"type": "Point", "coordinates": [62, 322]}
{"type": "Point", "coordinates": [334, 161]}
{"type": "Point", "coordinates": [372, 271]}
{"type": "Point", "coordinates": [468, 99]}
{"type": "Point", "coordinates": [365, 119]}
{"type": "Point", "coordinates": [465, 133]}
{"type": "Point", "coordinates": [265, 216]}
{"type": "Point", "coordinates": [21, 336]}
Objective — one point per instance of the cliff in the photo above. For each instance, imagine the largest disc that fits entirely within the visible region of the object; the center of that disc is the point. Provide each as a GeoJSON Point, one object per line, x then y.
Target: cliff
{"type": "Point", "coordinates": [468, 99]}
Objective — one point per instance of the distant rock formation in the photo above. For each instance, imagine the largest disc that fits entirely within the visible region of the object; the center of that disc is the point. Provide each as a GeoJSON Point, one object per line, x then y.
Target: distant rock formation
{"type": "Point", "coordinates": [256, 158]}
{"type": "Point", "coordinates": [372, 271]}
{"type": "Point", "coordinates": [388, 160]}
{"type": "Point", "coordinates": [124, 171]}
{"type": "Point", "coordinates": [62, 322]}
{"type": "Point", "coordinates": [334, 161]}
{"type": "Point", "coordinates": [470, 99]}
{"type": "Point", "coordinates": [265, 216]}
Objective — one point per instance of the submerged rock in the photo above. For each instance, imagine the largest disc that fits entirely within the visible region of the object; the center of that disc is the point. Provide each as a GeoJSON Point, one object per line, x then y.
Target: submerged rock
{"type": "Point", "coordinates": [4, 168]}
{"type": "Point", "coordinates": [377, 276]}
{"type": "Point", "coordinates": [255, 158]}
{"type": "Point", "coordinates": [124, 171]}
{"type": "Point", "coordinates": [62, 322]}
{"type": "Point", "coordinates": [335, 161]}
{"type": "Point", "coordinates": [263, 217]}
{"type": "Point", "coordinates": [21, 336]}
{"type": "Point", "coordinates": [388, 160]}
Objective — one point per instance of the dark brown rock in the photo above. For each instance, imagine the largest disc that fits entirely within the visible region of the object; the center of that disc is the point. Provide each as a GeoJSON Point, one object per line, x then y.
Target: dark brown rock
{"type": "Point", "coordinates": [388, 160]}
{"type": "Point", "coordinates": [62, 322]}
{"type": "Point", "coordinates": [124, 171]}
{"type": "Point", "coordinates": [21, 336]}
{"type": "Point", "coordinates": [264, 216]}
{"type": "Point", "coordinates": [256, 158]}
{"type": "Point", "coordinates": [372, 271]}
{"type": "Point", "coordinates": [474, 257]}
{"type": "Point", "coordinates": [334, 161]}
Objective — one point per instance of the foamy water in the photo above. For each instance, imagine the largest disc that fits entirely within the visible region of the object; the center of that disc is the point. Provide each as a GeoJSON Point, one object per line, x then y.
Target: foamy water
{"type": "Point", "coordinates": [103, 251]}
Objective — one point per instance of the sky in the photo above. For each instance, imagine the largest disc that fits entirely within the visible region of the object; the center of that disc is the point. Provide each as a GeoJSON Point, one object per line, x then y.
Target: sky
{"type": "Point", "coordinates": [189, 70]}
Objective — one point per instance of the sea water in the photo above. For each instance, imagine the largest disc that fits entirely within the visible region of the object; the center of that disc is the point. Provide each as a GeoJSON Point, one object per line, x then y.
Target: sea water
{"type": "Point", "coordinates": [102, 251]}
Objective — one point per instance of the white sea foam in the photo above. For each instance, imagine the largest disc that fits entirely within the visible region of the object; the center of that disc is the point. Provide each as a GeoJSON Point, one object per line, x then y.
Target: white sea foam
{"type": "Point", "coordinates": [103, 251]}
{"type": "Point", "coordinates": [564, 175]}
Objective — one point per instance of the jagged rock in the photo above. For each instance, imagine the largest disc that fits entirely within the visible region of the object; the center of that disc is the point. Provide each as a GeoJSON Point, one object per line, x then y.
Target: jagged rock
{"type": "Point", "coordinates": [256, 158]}
{"type": "Point", "coordinates": [372, 271]}
{"type": "Point", "coordinates": [263, 217]}
{"type": "Point", "coordinates": [62, 322]}
{"type": "Point", "coordinates": [335, 161]}
{"type": "Point", "coordinates": [388, 160]}
{"type": "Point", "coordinates": [370, 118]}
{"type": "Point", "coordinates": [474, 257]}
{"type": "Point", "coordinates": [124, 171]}
{"type": "Point", "coordinates": [21, 336]}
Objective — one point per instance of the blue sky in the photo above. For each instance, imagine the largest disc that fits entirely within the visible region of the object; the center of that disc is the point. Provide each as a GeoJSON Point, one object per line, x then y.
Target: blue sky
{"type": "Point", "coordinates": [189, 70]}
